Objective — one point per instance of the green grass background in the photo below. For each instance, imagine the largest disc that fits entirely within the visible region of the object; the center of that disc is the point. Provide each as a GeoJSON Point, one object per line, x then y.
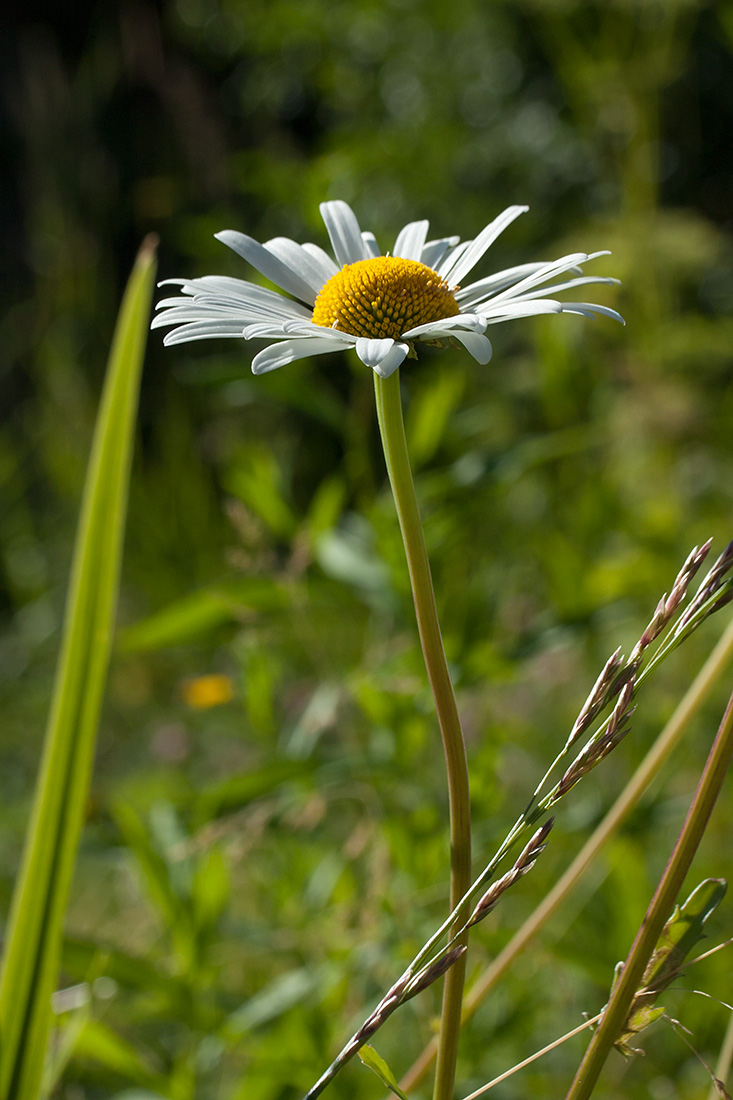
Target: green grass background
{"type": "Point", "coordinates": [254, 876]}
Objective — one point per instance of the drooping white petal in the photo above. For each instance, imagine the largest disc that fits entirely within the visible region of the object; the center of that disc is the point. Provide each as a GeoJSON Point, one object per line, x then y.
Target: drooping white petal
{"type": "Point", "coordinates": [344, 232]}
{"type": "Point", "coordinates": [390, 362]}
{"type": "Point", "coordinates": [411, 241]}
{"type": "Point", "coordinates": [267, 264]}
{"type": "Point", "coordinates": [589, 309]}
{"type": "Point", "coordinates": [456, 269]}
{"type": "Point", "coordinates": [468, 329]}
{"type": "Point", "coordinates": [476, 343]}
{"type": "Point", "coordinates": [372, 352]}
{"type": "Point", "coordinates": [287, 351]}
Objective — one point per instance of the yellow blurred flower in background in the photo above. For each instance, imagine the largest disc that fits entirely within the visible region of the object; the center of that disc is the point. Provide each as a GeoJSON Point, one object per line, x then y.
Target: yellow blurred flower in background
{"type": "Point", "coordinates": [203, 692]}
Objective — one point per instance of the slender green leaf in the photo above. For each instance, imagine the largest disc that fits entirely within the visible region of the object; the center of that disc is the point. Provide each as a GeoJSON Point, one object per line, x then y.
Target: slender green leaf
{"type": "Point", "coordinates": [376, 1063]}
{"type": "Point", "coordinates": [41, 895]}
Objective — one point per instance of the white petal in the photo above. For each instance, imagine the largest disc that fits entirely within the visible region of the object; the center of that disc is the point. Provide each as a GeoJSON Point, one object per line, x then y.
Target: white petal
{"type": "Point", "coordinates": [343, 229]}
{"type": "Point", "coordinates": [205, 308]}
{"type": "Point", "coordinates": [263, 330]}
{"type": "Point", "coordinates": [319, 254]}
{"type": "Point", "coordinates": [553, 288]}
{"type": "Point", "coordinates": [411, 241]}
{"type": "Point", "coordinates": [170, 304]}
{"type": "Point", "coordinates": [301, 261]}
{"type": "Point", "coordinates": [392, 360]}
{"type": "Point", "coordinates": [307, 328]}
{"type": "Point", "coordinates": [548, 271]}
{"type": "Point", "coordinates": [588, 309]}
{"type": "Point", "coordinates": [493, 283]}
{"type": "Point", "coordinates": [239, 290]}
{"type": "Point", "coordinates": [450, 258]}
{"type": "Point", "coordinates": [477, 344]}
{"type": "Point", "coordinates": [460, 267]}
{"type": "Point", "coordinates": [370, 244]}
{"type": "Point", "coordinates": [226, 306]}
{"type": "Point", "coordinates": [508, 311]}
{"type": "Point", "coordinates": [287, 351]}
{"type": "Point", "coordinates": [372, 352]}
{"type": "Point", "coordinates": [434, 251]}
{"type": "Point", "coordinates": [204, 330]}
{"type": "Point", "coordinates": [183, 283]}
{"type": "Point", "coordinates": [183, 316]}
{"type": "Point", "coordinates": [446, 326]}
{"type": "Point", "coordinates": [268, 264]}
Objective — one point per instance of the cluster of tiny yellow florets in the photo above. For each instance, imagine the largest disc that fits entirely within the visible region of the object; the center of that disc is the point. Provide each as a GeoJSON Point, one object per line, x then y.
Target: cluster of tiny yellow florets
{"type": "Point", "coordinates": [383, 297]}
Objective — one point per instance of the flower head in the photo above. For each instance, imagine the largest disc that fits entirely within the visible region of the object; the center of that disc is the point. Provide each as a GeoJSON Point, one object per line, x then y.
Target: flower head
{"type": "Point", "coordinates": [378, 304]}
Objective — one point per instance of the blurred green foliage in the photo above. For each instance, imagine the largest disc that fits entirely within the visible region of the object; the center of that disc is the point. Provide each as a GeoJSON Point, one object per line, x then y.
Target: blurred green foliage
{"type": "Point", "coordinates": [256, 873]}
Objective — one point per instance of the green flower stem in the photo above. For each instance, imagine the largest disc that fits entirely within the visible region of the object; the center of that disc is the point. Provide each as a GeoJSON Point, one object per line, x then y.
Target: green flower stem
{"type": "Point", "coordinates": [391, 426]}
{"type": "Point", "coordinates": [660, 907]}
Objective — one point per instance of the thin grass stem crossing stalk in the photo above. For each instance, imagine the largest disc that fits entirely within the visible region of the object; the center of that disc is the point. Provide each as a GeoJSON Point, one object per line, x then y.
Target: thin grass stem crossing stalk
{"type": "Point", "coordinates": [391, 426]}
{"type": "Point", "coordinates": [616, 1011]}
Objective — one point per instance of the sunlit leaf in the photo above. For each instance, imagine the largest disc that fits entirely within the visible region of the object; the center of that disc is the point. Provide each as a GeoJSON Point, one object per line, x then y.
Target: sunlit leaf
{"type": "Point", "coordinates": [377, 1064]}
{"type": "Point", "coordinates": [681, 933]}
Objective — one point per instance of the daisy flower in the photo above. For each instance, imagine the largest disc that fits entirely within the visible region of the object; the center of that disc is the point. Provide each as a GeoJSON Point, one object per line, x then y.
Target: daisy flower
{"type": "Point", "coordinates": [379, 304]}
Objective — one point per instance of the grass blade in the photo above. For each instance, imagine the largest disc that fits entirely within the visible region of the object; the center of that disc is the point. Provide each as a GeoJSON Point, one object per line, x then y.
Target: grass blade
{"type": "Point", "coordinates": [33, 940]}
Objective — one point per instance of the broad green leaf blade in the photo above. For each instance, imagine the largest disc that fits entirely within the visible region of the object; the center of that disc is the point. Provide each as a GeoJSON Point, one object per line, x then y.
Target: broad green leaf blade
{"type": "Point", "coordinates": [33, 942]}
{"type": "Point", "coordinates": [100, 1044]}
{"type": "Point", "coordinates": [681, 933]}
{"type": "Point", "coordinates": [278, 997]}
{"type": "Point", "coordinates": [151, 863]}
{"type": "Point", "coordinates": [202, 611]}
{"type": "Point", "coordinates": [377, 1064]}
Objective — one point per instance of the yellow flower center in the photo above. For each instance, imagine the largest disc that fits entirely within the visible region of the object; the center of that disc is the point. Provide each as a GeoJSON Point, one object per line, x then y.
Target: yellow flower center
{"type": "Point", "coordinates": [383, 297]}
